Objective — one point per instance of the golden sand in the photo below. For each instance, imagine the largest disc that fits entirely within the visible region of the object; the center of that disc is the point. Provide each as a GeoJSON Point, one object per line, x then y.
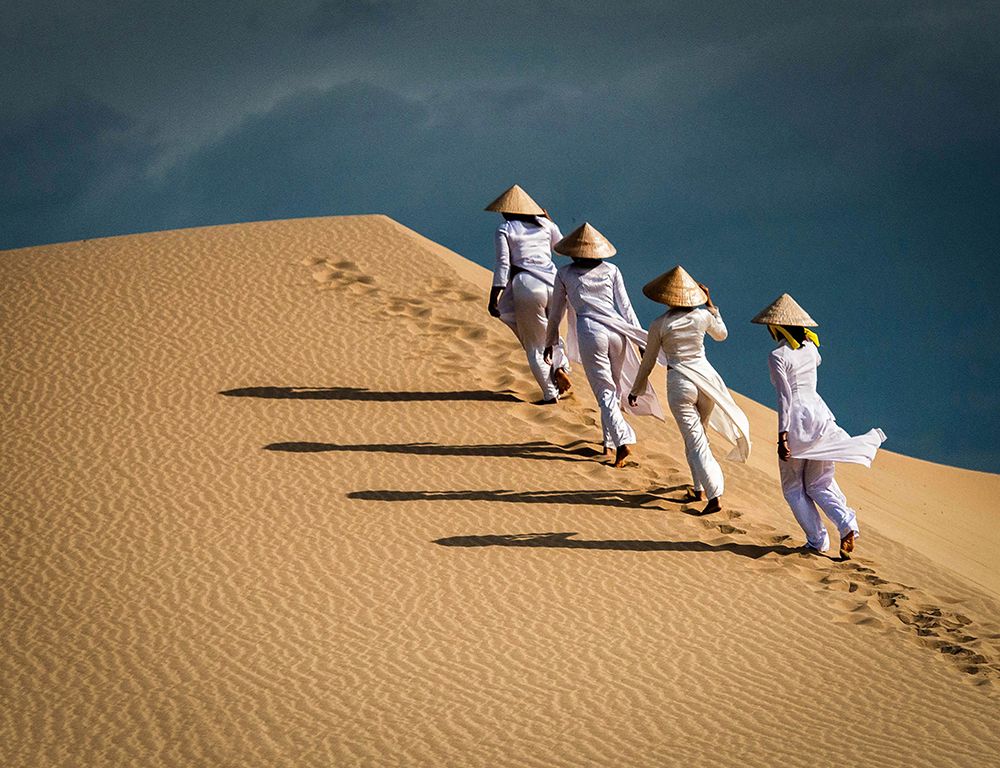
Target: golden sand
{"type": "Point", "coordinates": [275, 494]}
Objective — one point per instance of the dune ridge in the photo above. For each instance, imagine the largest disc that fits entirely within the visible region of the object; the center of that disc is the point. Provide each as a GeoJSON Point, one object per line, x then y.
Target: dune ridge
{"type": "Point", "coordinates": [275, 494]}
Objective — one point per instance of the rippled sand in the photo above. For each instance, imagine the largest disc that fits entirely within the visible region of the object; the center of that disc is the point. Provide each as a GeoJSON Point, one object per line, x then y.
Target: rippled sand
{"type": "Point", "coordinates": [275, 494]}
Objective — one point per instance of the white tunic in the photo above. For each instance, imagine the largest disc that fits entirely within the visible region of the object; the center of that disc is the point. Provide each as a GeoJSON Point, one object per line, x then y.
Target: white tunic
{"type": "Point", "coordinates": [525, 271]}
{"type": "Point", "coordinates": [681, 333]}
{"type": "Point", "coordinates": [525, 246]}
{"type": "Point", "coordinates": [680, 336]}
{"type": "Point", "coordinates": [812, 429]}
{"type": "Point", "coordinates": [597, 295]}
{"type": "Point", "coordinates": [597, 291]}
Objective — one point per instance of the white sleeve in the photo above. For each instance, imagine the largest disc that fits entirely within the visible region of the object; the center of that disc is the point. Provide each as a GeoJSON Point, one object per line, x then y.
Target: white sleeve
{"type": "Point", "coordinates": [780, 381]}
{"type": "Point", "coordinates": [716, 328]}
{"type": "Point", "coordinates": [554, 235]}
{"type": "Point", "coordinates": [621, 298]}
{"type": "Point", "coordinates": [501, 272]}
{"type": "Point", "coordinates": [653, 344]}
{"type": "Point", "coordinates": [557, 308]}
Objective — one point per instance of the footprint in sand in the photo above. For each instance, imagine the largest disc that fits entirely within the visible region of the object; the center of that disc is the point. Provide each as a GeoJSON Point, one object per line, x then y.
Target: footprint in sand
{"type": "Point", "coordinates": [340, 275]}
{"type": "Point", "coordinates": [349, 266]}
{"type": "Point", "coordinates": [879, 602]}
{"type": "Point", "coordinates": [472, 332]}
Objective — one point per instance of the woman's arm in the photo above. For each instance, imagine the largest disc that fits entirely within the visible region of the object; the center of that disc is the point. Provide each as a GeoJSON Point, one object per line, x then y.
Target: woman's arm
{"type": "Point", "coordinates": [779, 378]}
{"type": "Point", "coordinates": [648, 361]}
{"type": "Point", "coordinates": [621, 299]}
{"type": "Point", "coordinates": [716, 327]}
{"type": "Point", "coordinates": [557, 308]}
{"type": "Point", "coordinates": [554, 235]}
{"type": "Point", "coordinates": [501, 271]}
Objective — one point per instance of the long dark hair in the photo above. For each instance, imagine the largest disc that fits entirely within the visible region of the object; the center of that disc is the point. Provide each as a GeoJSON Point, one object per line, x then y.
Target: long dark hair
{"type": "Point", "coordinates": [524, 218]}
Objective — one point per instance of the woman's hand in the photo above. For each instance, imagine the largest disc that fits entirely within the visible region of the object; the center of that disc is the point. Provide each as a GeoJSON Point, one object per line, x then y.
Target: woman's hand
{"type": "Point", "coordinates": [493, 307]}
{"type": "Point", "coordinates": [633, 400]}
{"type": "Point", "coordinates": [783, 453]}
{"type": "Point", "coordinates": [708, 295]}
{"type": "Point", "coordinates": [547, 355]}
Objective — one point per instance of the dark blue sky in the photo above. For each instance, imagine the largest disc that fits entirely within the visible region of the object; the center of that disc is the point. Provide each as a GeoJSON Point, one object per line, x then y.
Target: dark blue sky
{"type": "Point", "coordinates": [845, 152]}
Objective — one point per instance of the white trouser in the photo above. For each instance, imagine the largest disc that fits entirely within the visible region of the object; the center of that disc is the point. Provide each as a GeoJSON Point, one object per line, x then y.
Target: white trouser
{"type": "Point", "coordinates": [691, 409]}
{"type": "Point", "coordinates": [806, 484]}
{"type": "Point", "coordinates": [531, 301]}
{"type": "Point", "coordinates": [602, 352]}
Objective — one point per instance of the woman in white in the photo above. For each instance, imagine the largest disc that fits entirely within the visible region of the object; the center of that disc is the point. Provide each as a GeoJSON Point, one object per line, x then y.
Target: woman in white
{"type": "Point", "coordinates": [696, 393]}
{"type": "Point", "coordinates": [522, 283]}
{"type": "Point", "coordinates": [604, 319]}
{"type": "Point", "coordinates": [809, 439]}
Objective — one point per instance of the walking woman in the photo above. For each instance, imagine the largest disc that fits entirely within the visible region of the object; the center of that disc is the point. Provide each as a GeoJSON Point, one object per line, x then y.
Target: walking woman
{"type": "Point", "coordinates": [522, 284]}
{"type": "Point", "coordinates": [809, 439]}
{"type": "Point", "coordinates": [593, 291]}
{"type": "Point", "coordinates": [696, 393]}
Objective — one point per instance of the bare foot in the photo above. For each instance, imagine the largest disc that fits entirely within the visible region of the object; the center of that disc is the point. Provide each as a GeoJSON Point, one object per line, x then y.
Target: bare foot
{"type": "Point", "coordinates": [621, 455]}
{"type": "Point", "coordinates": [562, 382]}
{"type": "Point", "coordinates": [714, 505]}
{"type": "Point", "coordinates": [847, 546]}
{"type": "Point", "coordinates": [693, 495]}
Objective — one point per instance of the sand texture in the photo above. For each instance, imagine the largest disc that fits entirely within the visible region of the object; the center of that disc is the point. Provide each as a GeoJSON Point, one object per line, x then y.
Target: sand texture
{"type": "Point", "coordinates": [275, 494]}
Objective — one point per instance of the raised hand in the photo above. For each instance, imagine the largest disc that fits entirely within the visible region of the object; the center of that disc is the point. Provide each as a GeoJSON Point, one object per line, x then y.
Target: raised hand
{"type": "Point", "coordinates": [708, 295]}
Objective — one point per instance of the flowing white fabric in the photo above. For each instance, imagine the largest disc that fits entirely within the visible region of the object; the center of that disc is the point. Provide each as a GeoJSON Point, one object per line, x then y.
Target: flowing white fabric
{"type": "Point", "coordinates": [677, 340]}
{"type": "Point", "coordinates": [598, 294]}
{"type": "Point", "coordinates": [602, 352]}
{"type": "Point", "coordinates": [726, 418]}
{"type": "Point", "coordinates": [813, 432]}
{"type": "Point", "coordinates": [691, 409]}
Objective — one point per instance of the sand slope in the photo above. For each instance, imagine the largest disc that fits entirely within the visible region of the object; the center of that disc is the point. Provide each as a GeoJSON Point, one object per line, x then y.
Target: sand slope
{"type": "Point", "coordinates": [274, 494]}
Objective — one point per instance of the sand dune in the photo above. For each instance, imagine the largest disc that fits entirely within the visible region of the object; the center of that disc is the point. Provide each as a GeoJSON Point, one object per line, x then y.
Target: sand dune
{"type": "Point", "coordinates": [275, 494]}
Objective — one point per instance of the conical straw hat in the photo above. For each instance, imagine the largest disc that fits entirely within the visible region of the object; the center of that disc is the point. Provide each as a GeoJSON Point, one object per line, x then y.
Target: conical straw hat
{"type": "Point", "coordinates": [784, 310]}
{"type": "Point", "coordinates": [516, 200]}
{"type": "Point", "coordinates": [675, 288]}
{"type": "Point", "coordinates": [585, 242]}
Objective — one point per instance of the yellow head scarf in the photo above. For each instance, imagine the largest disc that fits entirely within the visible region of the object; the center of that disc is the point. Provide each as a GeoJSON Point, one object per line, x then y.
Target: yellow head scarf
{"type": "Point", "coordinates": [778, 332]}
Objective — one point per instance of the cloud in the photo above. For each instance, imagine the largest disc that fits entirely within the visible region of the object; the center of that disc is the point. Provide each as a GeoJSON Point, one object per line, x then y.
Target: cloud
{"type": "Point", "coordinates": [331, 17]}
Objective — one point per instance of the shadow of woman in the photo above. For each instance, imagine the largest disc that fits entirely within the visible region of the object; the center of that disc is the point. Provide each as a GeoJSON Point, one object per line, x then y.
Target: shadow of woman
{"type": "Point", "coordinates": [629, 499]}
{"type": "Point", "coordinates": [566, 541]}
{"type": "Point", "coordinates": [541, 450]}
{"type": "Point", "coordinates": [367, 395]}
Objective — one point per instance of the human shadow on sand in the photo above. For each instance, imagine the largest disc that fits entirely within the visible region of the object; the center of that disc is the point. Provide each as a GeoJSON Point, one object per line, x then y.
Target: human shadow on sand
{"type": "Point", "coordinates": [629, 499]}
{"type": "Point", "coordinates": [565, 541]}
{"type": "Point", "coordinates": [539, 449]}
{"type": "Point", "coordinates": [367, 395]}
